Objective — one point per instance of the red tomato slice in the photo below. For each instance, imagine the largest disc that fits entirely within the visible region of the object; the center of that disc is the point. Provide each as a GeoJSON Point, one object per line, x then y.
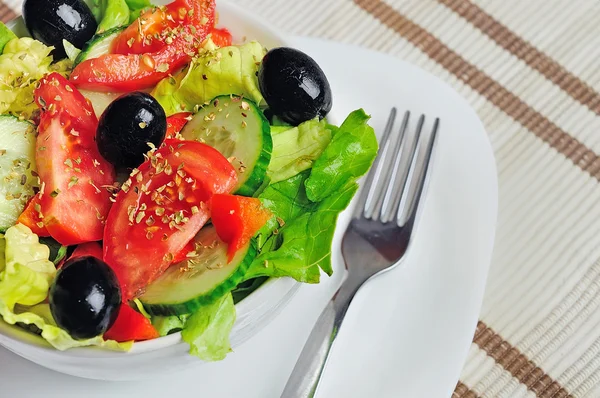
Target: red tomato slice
{"type": "Point", "coordinates": [32, 217]}
{"type": "Point", "coordinates": [161, 208]}
{"type": "Point", "coordinates": [176, 122]}
{"type": "Point", "coordinates": [74, 202]}
{"type": "Point", "coordinates": [221, 37]}
{"type": "Point", "coordinates": [150, 31]}
{"type": "Point", "coordinates": [93, 249]}
{"type": "Point", "coordinates": [237, 219]}
{"type": "Point", "coordinates": [131, 326]}
{"type": "Point", "coordinates": [118, 72]}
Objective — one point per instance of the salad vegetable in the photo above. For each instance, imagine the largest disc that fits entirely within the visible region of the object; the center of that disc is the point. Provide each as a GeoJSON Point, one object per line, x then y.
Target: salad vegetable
{"type": "Point", "coordinates": [161, 174]}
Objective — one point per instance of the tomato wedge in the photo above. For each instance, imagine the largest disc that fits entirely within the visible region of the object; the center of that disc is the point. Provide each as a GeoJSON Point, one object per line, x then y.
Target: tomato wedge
{"type": "Point", "coordinates": [237, 219]}
{"type": "Point", "coordinates": [153, 29]}
{"type": "Point", "coordinates": [93, 249]}
{"type": "Point", "coordinates": [74, 202]}
{"type": "Point", "coordinates": [161, 208]}
{"type": "Point", "coordinates": [32, 217]}
{"type": "Point", "coordinates": [221, 37]}
{"type": "Point", "coordinates": [131, 326]}
{"type": "Point", "coordinates": [176, 122]}
{"type": "Point", "coordinates": [119, 72]}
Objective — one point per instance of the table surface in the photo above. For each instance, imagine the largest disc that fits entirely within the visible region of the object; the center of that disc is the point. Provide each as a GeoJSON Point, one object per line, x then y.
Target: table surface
{"type": "Point", "coordinates": [530, 70]}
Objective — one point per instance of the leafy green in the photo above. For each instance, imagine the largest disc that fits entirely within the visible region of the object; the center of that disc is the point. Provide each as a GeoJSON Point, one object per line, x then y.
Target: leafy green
{"type": "Point", "coordinates": [297, 241]}
{"type": "Point", "coordinates": [71, 51]}
{"type": "Point", "coordinates": [349, 156]}
{"type": "Point", "coordinates": [25, 278]}
{"type": "Point", "coordinates": [224, 71]}
{"type": "Point", "coordinates": [23, 62]}
{"type": "Point", "coordinates": [207, 331]}
{"type": "Point", "coordinates": [58, 252]}
{"type": "Point", "coordinates": [136, 7]}
{"type": "Point", "coordinates": [6, 35]}
{"type": "Point", "coordinates": [166, 325]}
{"type": "Point", "coordinates": [296, 149]}
{"type": "Point", "coordinates": [246, 288]}
{"type": "Point", "coordinates": [115, 13]}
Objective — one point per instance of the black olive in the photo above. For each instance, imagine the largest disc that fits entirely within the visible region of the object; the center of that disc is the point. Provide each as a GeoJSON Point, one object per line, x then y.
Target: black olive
{"type": "Point", "coordinates": [51, 21]}
{"type": "Point", "coordinates": [294, 86]}
{"type": "Point", "coordinates": [85, 297]}
{"type": "Point", "coordinates": [127, 126]}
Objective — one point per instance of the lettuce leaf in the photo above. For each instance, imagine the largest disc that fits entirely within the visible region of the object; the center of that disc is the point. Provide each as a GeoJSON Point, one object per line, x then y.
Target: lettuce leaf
{"type": "Point", "coordinates": [296, 149]}
{"type": "Point", "coordinates": [113, 13]}
{"type": "Point", "coordinates": [23, 62]}
{"type": "Point", "coordinates": [207, 331]}
{"type": "Point", "coordinates": [297, 241]}
{"type": "Point", "coordinates": [224, 71]}
{"type": "Point", "coordinates": [349, 156]}
{"type": "Point", "coordinates": [25, 278]}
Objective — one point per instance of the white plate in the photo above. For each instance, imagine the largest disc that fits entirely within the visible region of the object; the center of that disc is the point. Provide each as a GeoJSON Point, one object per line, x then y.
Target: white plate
{"type": "Point", "coordinates": [408, 332]}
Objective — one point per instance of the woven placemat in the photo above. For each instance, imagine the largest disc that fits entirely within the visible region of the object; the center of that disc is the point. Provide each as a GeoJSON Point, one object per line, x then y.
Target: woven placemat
{"type": "Point", "coordinates": [530, 70]}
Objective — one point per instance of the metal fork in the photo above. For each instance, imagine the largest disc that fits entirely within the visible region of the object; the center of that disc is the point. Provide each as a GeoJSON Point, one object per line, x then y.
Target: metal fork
{"type": "Point", "coordinates": [376, 239]}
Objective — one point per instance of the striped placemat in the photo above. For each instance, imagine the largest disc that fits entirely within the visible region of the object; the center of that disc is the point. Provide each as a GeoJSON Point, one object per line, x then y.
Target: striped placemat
{"type": "Point", "coordinates": [530, 69]}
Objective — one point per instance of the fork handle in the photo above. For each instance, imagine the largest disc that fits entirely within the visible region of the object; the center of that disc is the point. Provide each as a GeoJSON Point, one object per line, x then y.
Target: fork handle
{"type": "Point", "coordinates": [305, 377]}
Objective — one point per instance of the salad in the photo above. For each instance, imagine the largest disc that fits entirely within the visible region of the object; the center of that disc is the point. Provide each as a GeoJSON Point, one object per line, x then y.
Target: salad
{"type": "Point", "coordinates": [154, 172]}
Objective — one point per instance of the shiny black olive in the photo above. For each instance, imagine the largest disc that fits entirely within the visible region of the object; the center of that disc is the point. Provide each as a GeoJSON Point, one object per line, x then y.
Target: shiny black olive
{"type": "Point", "coordinates": [51, 21]}
{"type": "Point", "coordinates": [85, 297]}
{"type": "Point", "coordinates": [294, 86]}
{"type": "Point", "coordinates": [126, 127]}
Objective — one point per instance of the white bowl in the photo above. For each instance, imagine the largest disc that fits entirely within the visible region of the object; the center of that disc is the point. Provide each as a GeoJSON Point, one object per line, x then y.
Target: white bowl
{"type": "Point", "coordinates": [170, 353]}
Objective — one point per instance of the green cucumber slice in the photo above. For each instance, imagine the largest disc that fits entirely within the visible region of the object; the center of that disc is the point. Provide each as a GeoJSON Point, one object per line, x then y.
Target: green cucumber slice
{"type": "Point", "coordinates": [17, 168]}
{"type": "Point", "coordinates": [238, 129]}
{"type": "Point", "coordinates": [98, 45]}
{"type": "Point", "coordinates": [199, 281]}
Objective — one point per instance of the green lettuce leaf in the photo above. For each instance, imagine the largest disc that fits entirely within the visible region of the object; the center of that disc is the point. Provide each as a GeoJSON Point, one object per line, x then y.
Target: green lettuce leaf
{"type": "Point", "coordinates": [136, 7]}
{"type": "Point", "coordinates": [115, 13]}
{"type": "Point", "coordinates": [349, 156]}
{"type": "Point", "coordinates": [25, 278]}
{"type": "Point", "coordinates": [297, 241]}
{"type": "Point", "coordinates": [207, 331]}
{"type": "Point", "coordinates": [23, 62]}
{"type": "Point", "coordinates": [224, 71]}
{"type": "Point", "coordinates": [296, 149]}
{"type": "Point", "coordinates": [166, 325]}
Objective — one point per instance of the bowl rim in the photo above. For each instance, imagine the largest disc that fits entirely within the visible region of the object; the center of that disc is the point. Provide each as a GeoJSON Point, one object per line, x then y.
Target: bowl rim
{"type": "Point", "coordinates": [288, 286]}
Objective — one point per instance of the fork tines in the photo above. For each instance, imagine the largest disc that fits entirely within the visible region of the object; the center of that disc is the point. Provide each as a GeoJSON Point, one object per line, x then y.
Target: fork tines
{"type": "Point", "coordinates": [395, 183]}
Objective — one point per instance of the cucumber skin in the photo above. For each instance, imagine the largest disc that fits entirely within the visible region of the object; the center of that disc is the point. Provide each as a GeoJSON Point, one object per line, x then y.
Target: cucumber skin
{"type": "Point", "coordinates": [256, 179]}
{"type": "Point", "coordinates": [83, 55]}
{"type": "Point", "coordinates": [254, 183]}
{"type": "Point", "coordinates": [193, 305]}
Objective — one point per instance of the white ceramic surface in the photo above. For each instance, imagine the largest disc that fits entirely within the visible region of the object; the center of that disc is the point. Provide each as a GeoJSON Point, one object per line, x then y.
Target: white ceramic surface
{"type": "Point", "coordinates": [408, 332]}
{"type": "Point", "coordinates": [253, 313]}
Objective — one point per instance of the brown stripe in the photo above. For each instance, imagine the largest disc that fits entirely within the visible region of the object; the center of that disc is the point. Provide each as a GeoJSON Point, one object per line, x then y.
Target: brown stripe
{"type": "Point", "coordinates": [462, 391]}
{"type": "Point", "coordinates": [6, 13]}
{"type": "Point", "coordinates": [517, 364]}
{"type": "Point", "coordinates": [525, 51]}
{"type": "Point", "coordinates": [508, 102]}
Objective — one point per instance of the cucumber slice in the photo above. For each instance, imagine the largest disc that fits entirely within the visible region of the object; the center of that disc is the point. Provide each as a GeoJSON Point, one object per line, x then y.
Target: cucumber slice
{"type": "Point", "coordinates": [100, 100]}
{"type": "Point", "coordinates": [199, 281]}
{"type": "Point", "coordinates": [17, 168]}
{"type": "Point", "coordinates": [238, 129]}
{"type": "Point", "coordinates": [98, 45]}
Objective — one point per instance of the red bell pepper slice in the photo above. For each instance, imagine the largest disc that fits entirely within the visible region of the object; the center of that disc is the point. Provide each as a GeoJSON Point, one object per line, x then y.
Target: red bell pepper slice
{"type": "Point", "coordinates": [237, 219]}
